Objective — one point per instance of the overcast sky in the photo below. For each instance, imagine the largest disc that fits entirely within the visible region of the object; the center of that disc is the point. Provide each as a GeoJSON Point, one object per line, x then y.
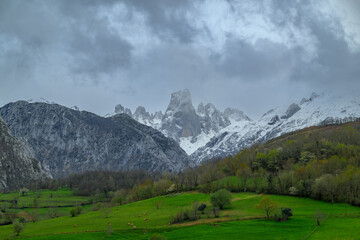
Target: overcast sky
{"type": "Point", "coordinates": [252, 55]}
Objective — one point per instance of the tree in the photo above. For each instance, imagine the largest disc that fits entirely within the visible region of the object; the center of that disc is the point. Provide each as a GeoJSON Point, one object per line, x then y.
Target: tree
{"type": "Point", "coordinates": [306, 157]}
{"type": "Point", "coordinates": [325, 187]}
{"type": "Point", "coordinates": [221, 198]}
{"type": "Point", "coordinates": [286, 213]}
{"type": "Point", "coordinates": [268, 206]}
{"type": "Point", "coordinates": [195, 209]}
{"type": "Point", "coordinates": [283, 215]}
{"type": "Point", "coordinates": [18, 227]}
{"type": "Point", "coordinates": [73, 212]}
{"type": "Point", "coordinates": [319, 217]}
{"type": "Point", "coordinates": [78, 209]}
{"type": "Point", "coordinates": [119, 197]}
{"type": "Point", "coordinates": [244, 172]}
{"type": "Point", "coordinates": [202, 207]}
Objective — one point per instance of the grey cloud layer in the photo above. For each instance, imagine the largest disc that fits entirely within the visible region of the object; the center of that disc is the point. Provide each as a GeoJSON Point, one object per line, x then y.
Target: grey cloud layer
{"type": "Point", "coordinates": [137, 52]}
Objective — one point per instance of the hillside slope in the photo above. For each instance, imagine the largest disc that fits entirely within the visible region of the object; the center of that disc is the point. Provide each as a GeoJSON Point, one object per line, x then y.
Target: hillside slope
{"type": "Point", "coordinates": [69, 141]}
{"type": "Point", "coordinates": [17, 168]}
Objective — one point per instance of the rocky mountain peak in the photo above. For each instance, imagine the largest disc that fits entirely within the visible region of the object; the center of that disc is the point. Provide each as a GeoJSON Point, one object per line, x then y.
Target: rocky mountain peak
{"type": "Point", "coordinates": [141, 112]}
{"type": "Point", "coordinates": [180, 119]}
{"type": "Point", "coordinates": [236, 114]}
{"type": "Point", "coordinates": [201, 109]}
{"type": "Point", "coordinates": [313, 96]}
{"type": "Point", "coordinates": [189, 127]}
{"type": "Point", "coordinates": [292, 109]}
{"type": "Point", "coordinates": [120, 109]}
{"type": "Point", "coordinates": [181, 101]}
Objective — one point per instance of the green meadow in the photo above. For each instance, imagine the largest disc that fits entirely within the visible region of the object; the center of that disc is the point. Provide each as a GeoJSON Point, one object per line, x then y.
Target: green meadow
{"type": "Point", "coordinates": [142, 219]}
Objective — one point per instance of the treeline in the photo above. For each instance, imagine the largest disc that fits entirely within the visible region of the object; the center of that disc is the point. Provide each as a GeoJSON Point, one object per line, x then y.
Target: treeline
{"type": "Point", "coordinates": [104, 182]}
{"type": "Point", "coordinates": [318, 162]}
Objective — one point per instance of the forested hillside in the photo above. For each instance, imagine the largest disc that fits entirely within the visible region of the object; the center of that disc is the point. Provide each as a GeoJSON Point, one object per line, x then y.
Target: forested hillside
{"type": "Point", "coordinates": [317, 162]}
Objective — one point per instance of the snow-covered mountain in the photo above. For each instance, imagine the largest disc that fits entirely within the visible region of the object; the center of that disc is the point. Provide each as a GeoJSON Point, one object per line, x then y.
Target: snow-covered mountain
{"type": "Point", "coordinates": [316, 110]}
{"type": "Point", "coordinates": [191, 128]}
{"type": "Point", "coordinates": [206, 132]}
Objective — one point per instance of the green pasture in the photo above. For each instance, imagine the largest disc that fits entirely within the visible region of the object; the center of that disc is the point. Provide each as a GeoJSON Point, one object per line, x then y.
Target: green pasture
{"type": "Point", "coordinates": [241, 220]}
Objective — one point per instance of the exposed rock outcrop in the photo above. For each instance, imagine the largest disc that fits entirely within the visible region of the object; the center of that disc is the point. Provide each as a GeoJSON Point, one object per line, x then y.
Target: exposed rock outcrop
{"type": "Point", "coordinates": [17, 168]}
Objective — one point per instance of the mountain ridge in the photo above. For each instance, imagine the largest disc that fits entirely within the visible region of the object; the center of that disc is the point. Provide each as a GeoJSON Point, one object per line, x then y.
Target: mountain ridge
{"type": "Point", "coordinates": [225, 133]}
{"type": "Point", "coordinates": [67, 140]}
{"type": "Point", "coordinates": [191, 127]}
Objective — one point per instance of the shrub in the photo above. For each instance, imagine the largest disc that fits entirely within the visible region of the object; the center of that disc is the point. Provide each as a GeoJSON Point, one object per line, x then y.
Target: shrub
{"type": "Point", "coordinates": [78, 209]}
{"type": "Point", "coordinates": [283, 214]}
{"type": "Point", "coordinates": [202, 208]}
{"type": "Point", "coordinates": [178, 217]}
{"type": "Point", "coordinates": [73, 212]}
{"type": "Point", "coordinates": [187, 214]}
{"type": "Point", "coordinates": [286, 213]}
{"type": "Point", "coordinates": [221, 198]}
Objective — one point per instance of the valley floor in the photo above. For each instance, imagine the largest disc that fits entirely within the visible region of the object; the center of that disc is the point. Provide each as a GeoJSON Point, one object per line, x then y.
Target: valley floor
{"type": "Point", "coordinates": [241, 220]}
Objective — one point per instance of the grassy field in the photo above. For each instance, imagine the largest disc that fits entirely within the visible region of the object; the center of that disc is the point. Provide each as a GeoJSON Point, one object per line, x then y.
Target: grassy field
{"type": "Point", "coordinates": [39, 203]}
{"type": "Point", "coordinates": [60, 197]}
{"type": "Point", "coordinates": [242, 219]}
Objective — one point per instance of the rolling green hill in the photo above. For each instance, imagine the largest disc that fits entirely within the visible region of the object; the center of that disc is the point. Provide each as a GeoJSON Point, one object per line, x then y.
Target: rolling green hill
{"type": "Point", "coordinates": [341, 221]}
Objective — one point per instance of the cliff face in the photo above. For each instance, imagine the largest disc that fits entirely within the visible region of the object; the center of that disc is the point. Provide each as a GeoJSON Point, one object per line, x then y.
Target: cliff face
{"type": "Point", "coordinates": [69, 141]}
{"type": "Point", "coordinates": [17, 168]}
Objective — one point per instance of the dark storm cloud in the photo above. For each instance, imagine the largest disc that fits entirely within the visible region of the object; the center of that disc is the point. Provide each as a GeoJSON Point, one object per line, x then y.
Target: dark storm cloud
{"type": "Point", "coordinates": [166, 18]}
{"type": "Point", "coordinates": [44, 27]}
{"type": "Point", "coordinates": [256, 62]}
{"type": "Point", "coordinates": [103, 52]}
{"type": "Point", "coordinates": [136, 52]}
{"type": "Point", "coordinates": [335, 64]}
